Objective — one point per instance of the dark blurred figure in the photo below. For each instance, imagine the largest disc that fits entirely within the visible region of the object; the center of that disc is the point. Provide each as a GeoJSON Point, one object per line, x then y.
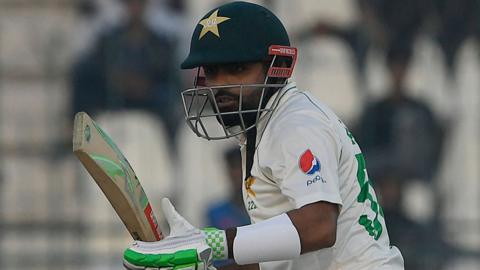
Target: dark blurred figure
{"type": "Point", "coordinates": [399, 132]}
{"type": "Point", "coordinates": [231, 212]}
{"type": "Point", "coordinates": [476, 23]}
{"type": "Point", "coordinates": [397, 21]}
{"type": "Point", "coordinates": [129, 67]}
{"type": "Point", "coordinates": [393, 24]}
{"type": "Point", "coordinates": [457, 20]}
{"type": "Point", "coordinates": [176, 5]}
{"type": "Point", "coordinates": [86, 8]}
{"type": "Point", "coordinates": [422, 245]}
{"type": "Point", "coordinates": [381, 24]}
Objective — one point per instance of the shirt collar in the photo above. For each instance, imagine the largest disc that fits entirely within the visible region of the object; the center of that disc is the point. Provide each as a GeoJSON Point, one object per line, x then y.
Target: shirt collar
{"type": "Point", "coordinates": [277, 99]}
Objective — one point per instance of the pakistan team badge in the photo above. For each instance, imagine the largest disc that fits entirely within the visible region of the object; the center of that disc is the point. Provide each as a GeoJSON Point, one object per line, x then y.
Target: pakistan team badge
{"type": "Point", "coordinates": [211, 23]}
{"type": "Point", "coordinates": [248, 186]}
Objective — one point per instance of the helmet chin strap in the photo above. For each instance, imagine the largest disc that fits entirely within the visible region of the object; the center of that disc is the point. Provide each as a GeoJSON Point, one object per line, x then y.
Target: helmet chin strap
{"type": "Point", "coordinates": [250, 153]}
{"type": "Point", "coordinates": [251, 135]}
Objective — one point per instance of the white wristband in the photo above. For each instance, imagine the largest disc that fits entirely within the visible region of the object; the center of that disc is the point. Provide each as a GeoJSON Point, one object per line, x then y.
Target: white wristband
{"type": "Point", "coordinates": [274, 239]}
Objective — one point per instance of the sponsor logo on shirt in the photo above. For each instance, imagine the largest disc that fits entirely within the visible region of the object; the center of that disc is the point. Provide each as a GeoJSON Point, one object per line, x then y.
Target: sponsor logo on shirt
{"type": "Point", "coordinates": [317, 178]}
{"type": "Point", "coordinates": [309, 163]}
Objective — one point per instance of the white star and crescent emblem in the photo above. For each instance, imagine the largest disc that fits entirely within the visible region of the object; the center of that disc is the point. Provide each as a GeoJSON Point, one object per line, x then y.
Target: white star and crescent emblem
{"type": "Point", "coordinates": [211, 23]}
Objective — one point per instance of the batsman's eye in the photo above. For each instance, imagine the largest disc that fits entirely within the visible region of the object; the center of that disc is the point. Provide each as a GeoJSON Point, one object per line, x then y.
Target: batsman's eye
{"type": "Point", "coordinates": [210, 71]}
{"type": "Point", "coordinates": [235, 68]}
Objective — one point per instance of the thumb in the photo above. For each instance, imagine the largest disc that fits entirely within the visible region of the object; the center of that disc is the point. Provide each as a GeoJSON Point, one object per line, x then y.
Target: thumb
{"type": "Point", "coordinates": [178, 225]}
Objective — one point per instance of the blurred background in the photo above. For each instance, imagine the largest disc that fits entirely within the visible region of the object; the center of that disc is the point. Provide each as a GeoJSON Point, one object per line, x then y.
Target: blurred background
{"type": "Point", "coordinates": [403, 74]}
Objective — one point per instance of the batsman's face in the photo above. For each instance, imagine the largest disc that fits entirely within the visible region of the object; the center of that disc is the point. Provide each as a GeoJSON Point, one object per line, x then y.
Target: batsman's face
{"type": "Point", "coordinates": [228, 98]}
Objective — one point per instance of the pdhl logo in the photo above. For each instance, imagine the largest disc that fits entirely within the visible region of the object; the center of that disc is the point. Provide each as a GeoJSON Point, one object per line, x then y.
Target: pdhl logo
{"type": "Point", "coordinates": [315, 180]}
{"type": "Point", "coordinates": [309, 163]}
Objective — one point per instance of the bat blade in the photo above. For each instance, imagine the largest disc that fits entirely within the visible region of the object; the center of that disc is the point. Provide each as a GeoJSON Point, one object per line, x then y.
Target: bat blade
{"type": "Point", "coordinates": [113, 174]}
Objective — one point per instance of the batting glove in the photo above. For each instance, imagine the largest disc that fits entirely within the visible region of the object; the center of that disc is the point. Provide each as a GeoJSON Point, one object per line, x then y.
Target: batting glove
{"type": "Point", "coordinates": [186, 248]}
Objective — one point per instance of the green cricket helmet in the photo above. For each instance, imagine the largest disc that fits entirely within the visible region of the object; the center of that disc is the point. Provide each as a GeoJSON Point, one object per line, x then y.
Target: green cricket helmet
{"type": "Point", "coordinates": [237, 32]}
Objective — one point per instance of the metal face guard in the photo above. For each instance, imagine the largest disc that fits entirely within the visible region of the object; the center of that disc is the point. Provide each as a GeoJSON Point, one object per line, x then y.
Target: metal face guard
{"type": "Point", "coordinates": [204, 117]}
{"type": "Point", "coordinates": [202, 112]}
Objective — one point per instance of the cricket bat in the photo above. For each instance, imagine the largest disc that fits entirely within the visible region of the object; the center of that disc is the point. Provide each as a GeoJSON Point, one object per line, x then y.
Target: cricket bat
{"type": "Point", "coordinates": [113, 174]}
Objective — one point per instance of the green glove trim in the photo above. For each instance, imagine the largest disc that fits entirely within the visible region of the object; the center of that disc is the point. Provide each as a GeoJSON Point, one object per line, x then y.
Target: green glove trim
{"type": "Point", "coordinates": [186, 267]}
{"type": "Point", "coordinates": [217, 240]}
{"type": "Point", "coordinates": [181, 257]}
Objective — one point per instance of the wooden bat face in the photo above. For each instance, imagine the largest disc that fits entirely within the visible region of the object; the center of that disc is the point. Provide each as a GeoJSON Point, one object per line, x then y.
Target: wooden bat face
{"type": "Point", "coordinates": [115, 177]}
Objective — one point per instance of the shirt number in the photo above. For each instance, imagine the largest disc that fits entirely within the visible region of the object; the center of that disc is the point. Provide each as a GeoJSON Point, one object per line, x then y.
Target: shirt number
{"type": "Point", "coordinates": [373, 226]}
{"type": "Point", "coordinates": [251, 206]}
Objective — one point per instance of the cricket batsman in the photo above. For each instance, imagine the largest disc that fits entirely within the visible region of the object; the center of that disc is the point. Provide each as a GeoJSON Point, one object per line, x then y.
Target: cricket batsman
{"type": "Point", "coordinates": [305, 187]}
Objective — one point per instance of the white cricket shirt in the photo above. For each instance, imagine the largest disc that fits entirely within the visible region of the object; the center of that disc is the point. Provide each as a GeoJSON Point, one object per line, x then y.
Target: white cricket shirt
{"type": "Point", "coordinates": [305, 154]}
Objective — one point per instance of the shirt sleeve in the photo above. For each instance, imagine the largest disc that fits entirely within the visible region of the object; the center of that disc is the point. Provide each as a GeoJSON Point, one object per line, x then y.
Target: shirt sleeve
{"type": "Point", "coordinates": [307, 169]}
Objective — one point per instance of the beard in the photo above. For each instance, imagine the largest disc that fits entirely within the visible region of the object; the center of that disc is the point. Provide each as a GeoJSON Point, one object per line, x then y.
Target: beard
{"type": "Point", "coordinates": [229, 103]}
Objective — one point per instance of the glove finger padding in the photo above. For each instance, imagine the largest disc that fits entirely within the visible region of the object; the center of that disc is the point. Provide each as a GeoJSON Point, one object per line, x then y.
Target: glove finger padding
{"type": "Point", "coordinates": [199, 266]}
{"type": "Point", "coordinates": [185, 247]}
{"type": "Point", "coordinates": [178, 224]}
{"type": "Point", "coordinates": [138, 258]}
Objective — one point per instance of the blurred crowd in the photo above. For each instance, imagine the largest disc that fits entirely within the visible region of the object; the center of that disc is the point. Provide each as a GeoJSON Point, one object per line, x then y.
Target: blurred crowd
{"type": "Point", "coordinates": [125, 73]}
{"type": "Point", "coordinates": [132, 64]}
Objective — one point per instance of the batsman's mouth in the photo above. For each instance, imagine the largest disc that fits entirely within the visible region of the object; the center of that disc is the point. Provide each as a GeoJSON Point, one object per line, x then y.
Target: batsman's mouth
{"type": "Point", "coordinates": [226, 103]}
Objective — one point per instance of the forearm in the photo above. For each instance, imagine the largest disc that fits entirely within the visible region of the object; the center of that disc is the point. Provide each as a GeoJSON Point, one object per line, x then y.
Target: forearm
{"type": "Point", "coordinates": [284, 237]}
{"type": "Point", "coordinates": [316, 232]}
